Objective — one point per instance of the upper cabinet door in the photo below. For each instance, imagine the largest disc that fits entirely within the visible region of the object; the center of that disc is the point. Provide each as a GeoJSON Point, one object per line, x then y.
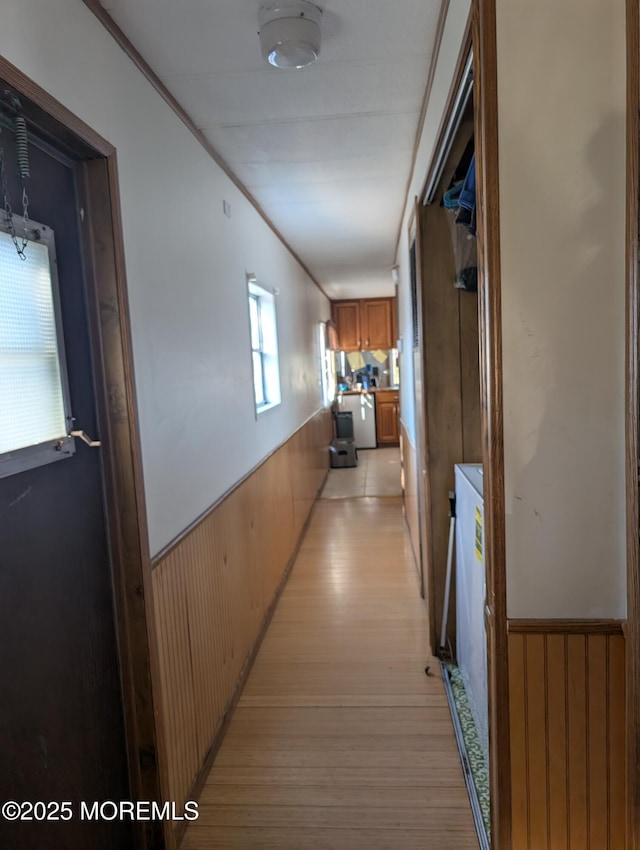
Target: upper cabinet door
{"type": "Point", "coordinates": [377, 323]}
{"type": "Point", "coordinates": [346, 316]}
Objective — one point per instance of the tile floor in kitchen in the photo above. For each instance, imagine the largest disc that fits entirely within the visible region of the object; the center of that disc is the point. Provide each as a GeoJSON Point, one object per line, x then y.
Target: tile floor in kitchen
{"type": "Point", "coordinates": [377, 474]}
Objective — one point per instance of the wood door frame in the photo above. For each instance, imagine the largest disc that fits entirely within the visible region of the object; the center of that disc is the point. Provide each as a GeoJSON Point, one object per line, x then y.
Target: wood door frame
{"type": "Point", "coordinates": [632, 418]}
{"type": "Point", "coordinates": [425, 572]}
{"type": "Point", "coordinates": [480, 36]}
{"type": "Point", "coordinates": [108, 315]}
{"type": "Point", "coordinates": [485, 70]}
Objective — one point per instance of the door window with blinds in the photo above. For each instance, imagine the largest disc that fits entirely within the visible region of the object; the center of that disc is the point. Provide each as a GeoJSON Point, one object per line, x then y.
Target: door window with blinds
{"type": "Point", "coordinates": [34, 397]}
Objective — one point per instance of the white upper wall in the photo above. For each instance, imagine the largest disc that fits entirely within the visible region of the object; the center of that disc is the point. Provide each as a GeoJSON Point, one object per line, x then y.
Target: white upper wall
{"type": "Point", "coordinates": [452, 38]}
{"type": "Point", "coordinates": [561, 74]}
{"type": "Point", "coordinates": [561, 69]}
{"type": "Point", "coordinates": [186, 267]}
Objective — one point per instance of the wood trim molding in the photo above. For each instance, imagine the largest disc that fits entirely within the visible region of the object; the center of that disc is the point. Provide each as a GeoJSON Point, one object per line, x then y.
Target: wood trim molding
{"type": "Point", "coordinates": [566, 627]}
{"type": "Point", "coordinates": [123, 465]}
{"type": "Point", "coordinates": [427, 591]}
{"type": "Point", "coordinates": [52, 118]}
{"type": "Point", "coordinates": [490, 320]}
{"type": "Point", "coordinates": [147, 71]}
{"type": "Point", "coordinates": [162, 554]}
{"type": "Point", "coordinates": [442, 20]}
{"type": "Point", "coordinates": [632, 427]}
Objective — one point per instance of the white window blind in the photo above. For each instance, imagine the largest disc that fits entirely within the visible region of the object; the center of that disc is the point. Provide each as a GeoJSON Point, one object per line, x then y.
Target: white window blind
{"type": "Point", "coordinates": [32, 409]}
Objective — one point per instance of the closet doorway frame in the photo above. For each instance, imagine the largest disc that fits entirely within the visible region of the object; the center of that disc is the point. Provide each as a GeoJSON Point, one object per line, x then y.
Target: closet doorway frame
{"type": "Point", "coordinates": [480, 38]}
{"type": "Point", "coordinates": [485, 70]}
{"type": "Point", "coordinates": [96, 174]}
{"type": "Point", "coordinates": [632, 419]}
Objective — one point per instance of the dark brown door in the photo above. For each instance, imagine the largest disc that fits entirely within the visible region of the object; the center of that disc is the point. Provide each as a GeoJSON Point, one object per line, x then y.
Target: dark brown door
{"type": "Point", "coordinates": [62, 734]}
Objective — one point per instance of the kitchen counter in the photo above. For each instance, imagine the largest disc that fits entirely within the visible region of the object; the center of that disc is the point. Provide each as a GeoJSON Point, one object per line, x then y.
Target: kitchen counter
{"type": "Point", "coordinates": [373, 390]}
{"type": "Point", "coordinates": [375, 415]}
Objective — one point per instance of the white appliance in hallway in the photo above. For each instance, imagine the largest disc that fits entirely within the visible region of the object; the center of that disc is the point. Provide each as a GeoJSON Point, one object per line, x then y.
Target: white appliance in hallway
{"type": "Point", "coordinates": [363, 408]}
{"type": "Point", "coordinates": [471, 591]}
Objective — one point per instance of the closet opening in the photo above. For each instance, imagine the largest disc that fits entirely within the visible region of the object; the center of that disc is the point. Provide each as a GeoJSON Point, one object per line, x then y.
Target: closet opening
{"type": "Point", "coordinates": [446, 229]}
{"type": "Point", "coordinates": [453, 381]}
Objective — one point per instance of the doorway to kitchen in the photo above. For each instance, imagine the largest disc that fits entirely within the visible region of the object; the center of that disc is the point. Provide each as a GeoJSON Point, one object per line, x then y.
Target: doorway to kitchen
{"type": "Point", "coordinates": [365, 452]}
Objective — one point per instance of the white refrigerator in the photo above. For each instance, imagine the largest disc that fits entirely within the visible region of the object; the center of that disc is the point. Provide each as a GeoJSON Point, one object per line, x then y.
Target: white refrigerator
{"type": "Point", "coordinates": [363, 408]}
{"type": "Point", "coordinates": [471, 593]}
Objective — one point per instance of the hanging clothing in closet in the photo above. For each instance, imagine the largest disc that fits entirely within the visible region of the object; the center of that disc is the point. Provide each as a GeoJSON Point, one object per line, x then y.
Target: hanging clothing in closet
{"type": "Point", "coordinates": [467, 199]}
{"type": "Point", "coordinates": [460, 203]}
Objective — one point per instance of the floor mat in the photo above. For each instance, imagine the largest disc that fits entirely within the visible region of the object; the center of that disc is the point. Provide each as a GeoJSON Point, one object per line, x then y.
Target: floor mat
{"type": "Point", "coordinates": [474, 753]}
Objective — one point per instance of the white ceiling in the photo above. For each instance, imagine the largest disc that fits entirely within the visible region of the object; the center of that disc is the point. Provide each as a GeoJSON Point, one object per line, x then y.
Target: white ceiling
{"type": "Point", "coordinates": [326, 150]}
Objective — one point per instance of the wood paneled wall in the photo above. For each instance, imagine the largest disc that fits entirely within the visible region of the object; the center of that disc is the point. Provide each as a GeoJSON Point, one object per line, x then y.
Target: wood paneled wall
{"type": "Point", "coordinates": [410, 490]}
{"type": "Point", "coordinates": [567, 717]}
{"type": "Point", "coordinates": [213, 591]}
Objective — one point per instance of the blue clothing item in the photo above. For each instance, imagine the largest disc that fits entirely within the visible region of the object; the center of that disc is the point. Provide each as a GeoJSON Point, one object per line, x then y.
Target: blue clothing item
{"type": "Point", "coordinates": [451, 199]}
{"type": "Point", "coordinates": [467, 201]}
{"type": "Point", "coordinates": [467, 198]}
{"type": "Point", "coordinates": [467, 219]}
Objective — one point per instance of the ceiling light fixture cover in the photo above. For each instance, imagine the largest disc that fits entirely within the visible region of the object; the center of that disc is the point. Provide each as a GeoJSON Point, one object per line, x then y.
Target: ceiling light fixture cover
{"type": "Point", "coordinates": [290, 33]}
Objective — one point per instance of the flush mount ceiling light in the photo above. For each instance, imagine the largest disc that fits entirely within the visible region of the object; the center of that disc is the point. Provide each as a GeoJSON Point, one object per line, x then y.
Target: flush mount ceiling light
{"type": "Point", "coordinates": [290, 33]}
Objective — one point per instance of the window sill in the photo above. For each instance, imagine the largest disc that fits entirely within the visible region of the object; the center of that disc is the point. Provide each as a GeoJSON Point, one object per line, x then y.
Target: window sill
{"type": "Point", "coordinates": [265, 407]}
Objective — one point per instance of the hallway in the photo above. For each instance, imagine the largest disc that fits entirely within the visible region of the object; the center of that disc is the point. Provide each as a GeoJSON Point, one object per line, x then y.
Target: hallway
{"type": "Point", "coordinates": [339, 739]}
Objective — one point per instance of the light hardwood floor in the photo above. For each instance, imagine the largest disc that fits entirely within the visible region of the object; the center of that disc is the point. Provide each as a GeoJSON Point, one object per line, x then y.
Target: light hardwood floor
{"type": "Point", "coordinates": [340, 741]}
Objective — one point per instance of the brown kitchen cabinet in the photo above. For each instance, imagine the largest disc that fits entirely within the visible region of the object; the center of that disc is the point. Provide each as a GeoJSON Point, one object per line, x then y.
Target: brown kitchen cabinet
{"type": "Point", "coordinates": [364, 325]}
{"type": "Point", "coordinates": [346, 317]}
{"type": "Point", "coordinates": [387, 417]}
{"type": "Point", "coordinates": [376, 324]}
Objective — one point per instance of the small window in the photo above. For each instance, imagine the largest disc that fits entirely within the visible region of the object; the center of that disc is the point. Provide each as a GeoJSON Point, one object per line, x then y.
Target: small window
{"type": "Point", "coordinates": [34, 411]}
{"type": "Point", "coordinates": [395, 367]}
{"type": "Point", "coordinates": [327, 366]}
{"type": "Point", "coordinates": [264, 347]}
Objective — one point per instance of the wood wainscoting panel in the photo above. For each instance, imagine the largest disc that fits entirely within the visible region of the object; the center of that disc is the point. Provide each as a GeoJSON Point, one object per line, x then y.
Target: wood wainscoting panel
{"type": "Point", "coordinates": [567, 716]}
{"type": "Point", "coordinates": [214, 589]}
